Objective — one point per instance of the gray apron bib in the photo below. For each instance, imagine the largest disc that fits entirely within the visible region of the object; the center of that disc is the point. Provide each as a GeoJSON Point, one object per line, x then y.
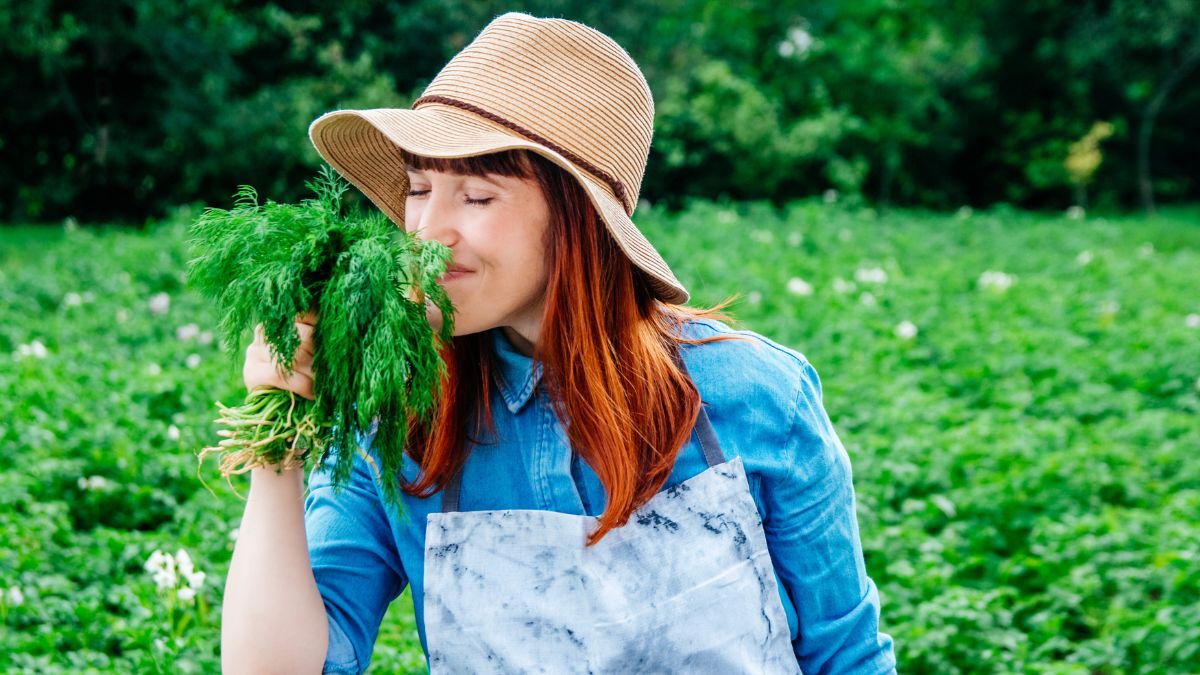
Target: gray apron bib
{"type": "Point", "coordinates": [687, 586]}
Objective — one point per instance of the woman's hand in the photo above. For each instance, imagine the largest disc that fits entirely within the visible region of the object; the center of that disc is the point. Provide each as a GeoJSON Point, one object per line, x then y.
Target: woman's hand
{"type": "Point", "coordinates": [261, 368]}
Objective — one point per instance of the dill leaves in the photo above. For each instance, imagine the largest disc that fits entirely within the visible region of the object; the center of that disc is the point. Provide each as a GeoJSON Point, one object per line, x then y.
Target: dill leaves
{"type": "Point", "coordinates": [376, 358]}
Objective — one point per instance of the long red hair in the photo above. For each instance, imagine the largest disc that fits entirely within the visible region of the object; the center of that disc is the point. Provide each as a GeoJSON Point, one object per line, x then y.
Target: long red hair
{"type": "Point", "coordinates": [606, 349]}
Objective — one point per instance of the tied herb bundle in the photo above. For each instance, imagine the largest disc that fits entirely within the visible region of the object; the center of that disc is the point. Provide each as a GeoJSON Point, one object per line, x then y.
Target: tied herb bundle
{"type": "Point", "coordinates": [376, 358]}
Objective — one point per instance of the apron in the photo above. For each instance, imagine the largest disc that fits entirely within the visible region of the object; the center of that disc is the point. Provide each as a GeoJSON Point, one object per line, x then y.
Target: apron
{"type": "Point", "coordinates": [686, 586]}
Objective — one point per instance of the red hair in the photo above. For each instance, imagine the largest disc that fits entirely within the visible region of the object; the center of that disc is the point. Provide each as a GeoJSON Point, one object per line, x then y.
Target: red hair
{"type": "Point", "coordinates": [606, 349]}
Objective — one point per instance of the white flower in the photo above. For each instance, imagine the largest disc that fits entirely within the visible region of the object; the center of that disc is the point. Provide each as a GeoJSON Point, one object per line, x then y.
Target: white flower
{"type": "Point", "coordinates": [964, 212]}
{"type": "Point", "coordinates": [205, 337]}
{"type": "Point", "coordinates": [1075, 212]}
{"type": "Point", "coordinates": [72, 300]}
{"type": "Point", "coordinates": [1084, 258]}
{"type": "Point", "coordinates": [800, 37]}
{"type": "Point", "coordinates": [15, 597]}
{"type": "Point", "coordinates": [1145, 250]}
{"type": "Point", "coordinates": [165, 578]}
{"type": "Point", "coordinates": [196, 580]}
{"type": "Point", "coordinates": [906, 330]}
{"type": "Point", "coordinates": [233, 534]}
{"type": "Point", "coordinates": [797, 44]}
{"type": "Point", "coordinates": [1192, 320]}
{"type": "Point", "coordinates": [184, 562]}
{"type": "Point", "coordinates": [153, 368]}
{"type": "Point", "coordinates": [867, 299]}
{"type": "Point", "coordinates": [754, 297]}
{"type": "Point", "coordinates": [192, 361]}
{"type": "Point", "coordinates": [830, 196]}
{"type": "Point", "coordinates": [794, 239]}
{"type": "Point", "coordinates": [93, 483]}
{"type": "Point", "coordinates": [187, 332]}
{"type": "Point", "coordinates": [842, 287]}
{"type": "Point", "coordinates": [762, 236]}
{"type": "Point", "coordinates": [871, 275]}
{"type": "Point", "coordinates": [997, 281]}
{"type": "Point", "coordinates": [155, 561]}
{"type": "Point", "coordinates": [173, 432]}
{"type": "Point", "coordinates": [159, 303]}
{"type": "Point", "coordinates": [35, 349]}
{"type": "Point", "coordinates": [122, 315]}
{"type": "Point", "coordinates": [161, 567]}
{"type": "Point", "coordinates": [798, 286]}
{"type": "Point", "coordinates": [726, 217]}
{"type": "Point", "coordinates": [166, 570]}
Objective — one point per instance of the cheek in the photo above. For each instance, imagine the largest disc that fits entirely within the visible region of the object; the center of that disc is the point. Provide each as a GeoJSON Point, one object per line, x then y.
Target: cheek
{"type": "Point", "coordinates": [412, 215]}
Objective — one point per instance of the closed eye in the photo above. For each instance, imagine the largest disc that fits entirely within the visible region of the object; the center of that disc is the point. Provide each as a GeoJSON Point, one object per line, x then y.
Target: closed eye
{"type": "Point", "coordinates": [473, 202]}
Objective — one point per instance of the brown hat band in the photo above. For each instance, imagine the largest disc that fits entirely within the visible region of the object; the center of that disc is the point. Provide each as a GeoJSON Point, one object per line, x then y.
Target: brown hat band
{"type": "Point", "coordinates": [617, 188]}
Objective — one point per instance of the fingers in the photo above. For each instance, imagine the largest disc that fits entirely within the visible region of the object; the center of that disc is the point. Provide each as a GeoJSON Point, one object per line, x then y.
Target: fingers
{"type": "Point", "coordinates": [309, 318]}
{"type": "Point", "coordinates": [306, 336]}
{"type": "Point", "coordinates": [298, 382]}
{"type": "Point", "coordinates": [305, 331]}
{"type": "Point", "coordinates": [262, 368]}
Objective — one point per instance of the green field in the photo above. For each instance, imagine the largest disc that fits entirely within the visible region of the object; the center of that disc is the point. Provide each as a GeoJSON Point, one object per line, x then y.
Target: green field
{"type": "Point", "coordinates": [1019, 393]}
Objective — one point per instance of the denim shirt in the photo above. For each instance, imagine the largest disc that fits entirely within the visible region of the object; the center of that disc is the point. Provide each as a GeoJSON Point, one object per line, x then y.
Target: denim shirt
{"type": "Point", "coordinates": [764, 401]}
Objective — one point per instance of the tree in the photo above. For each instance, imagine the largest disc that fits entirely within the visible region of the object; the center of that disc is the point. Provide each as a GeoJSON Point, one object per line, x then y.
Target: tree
{"type": "Point", "coordinates": [1149, 48]}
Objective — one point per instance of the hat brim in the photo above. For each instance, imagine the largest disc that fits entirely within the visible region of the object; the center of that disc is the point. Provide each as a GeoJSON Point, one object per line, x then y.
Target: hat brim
{"type": "Point", "coordinates": [364, 147]}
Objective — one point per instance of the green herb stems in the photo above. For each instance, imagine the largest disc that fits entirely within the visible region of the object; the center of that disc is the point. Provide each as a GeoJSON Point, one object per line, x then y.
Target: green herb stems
{"type": "Point", "coordinates": [376, 355]}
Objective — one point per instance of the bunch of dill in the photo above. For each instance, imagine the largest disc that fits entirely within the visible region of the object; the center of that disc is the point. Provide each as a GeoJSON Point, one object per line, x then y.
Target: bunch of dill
{"type": "Point", "coordinates": [376, 356]}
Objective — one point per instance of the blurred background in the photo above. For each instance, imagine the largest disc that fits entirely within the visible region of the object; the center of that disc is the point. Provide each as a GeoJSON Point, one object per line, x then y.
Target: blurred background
{"type": "Point", "coordinates": [122, 110]}
{"type": "Point", "coordinates": [980, 221]}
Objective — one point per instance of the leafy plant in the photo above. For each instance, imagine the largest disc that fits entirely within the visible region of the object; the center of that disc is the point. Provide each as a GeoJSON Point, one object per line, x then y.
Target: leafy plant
{"type": "Point", "coordinates": [375, 354]}
{"type": "Point", "coordinates": [1025, 466]}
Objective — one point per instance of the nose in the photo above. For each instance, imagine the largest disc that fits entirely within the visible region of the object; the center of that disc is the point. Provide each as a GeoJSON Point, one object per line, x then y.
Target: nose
{"type": "Point", "coordinates": [433, 217]}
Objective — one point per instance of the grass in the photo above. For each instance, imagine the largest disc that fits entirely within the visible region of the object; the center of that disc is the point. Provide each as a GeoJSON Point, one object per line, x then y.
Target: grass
{"type": "Point", "coordinates": [1026, 463]}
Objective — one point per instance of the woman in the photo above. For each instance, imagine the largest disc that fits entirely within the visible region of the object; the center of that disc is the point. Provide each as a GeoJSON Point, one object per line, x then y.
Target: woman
{"type": "Point", "coordinates": [613, 482]}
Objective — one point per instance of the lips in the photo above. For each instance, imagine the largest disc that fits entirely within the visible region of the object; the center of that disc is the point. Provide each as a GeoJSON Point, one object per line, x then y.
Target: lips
{"type": "Point", "coordinates": [456, 272]}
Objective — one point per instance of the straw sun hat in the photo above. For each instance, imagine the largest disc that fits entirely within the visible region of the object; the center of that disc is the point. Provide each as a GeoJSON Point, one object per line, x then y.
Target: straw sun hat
{"type": "Point", "coordinates": [555, 87]}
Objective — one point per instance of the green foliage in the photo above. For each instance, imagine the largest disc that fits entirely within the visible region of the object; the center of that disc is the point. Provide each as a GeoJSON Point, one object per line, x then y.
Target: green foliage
{"type": "Point", "coordinates": [375, 354]}
{"type": "Point", "coordinates": [1025, 465]}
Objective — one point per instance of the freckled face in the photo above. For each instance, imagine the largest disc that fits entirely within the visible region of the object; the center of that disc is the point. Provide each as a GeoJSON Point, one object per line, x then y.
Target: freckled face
{"type": "Point", "coordinates": [496, 226]}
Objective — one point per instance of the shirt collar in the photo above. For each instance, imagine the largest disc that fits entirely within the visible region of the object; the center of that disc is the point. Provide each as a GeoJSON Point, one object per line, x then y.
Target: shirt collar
{"type": "Point", "coordinates": [516, 376]}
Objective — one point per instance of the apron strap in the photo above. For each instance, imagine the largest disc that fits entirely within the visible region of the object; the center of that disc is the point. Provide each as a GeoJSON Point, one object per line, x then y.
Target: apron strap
{"type": "Point", "coordinates": [709, 445]}
{"type": "Point", "coordinates": [450, 493]}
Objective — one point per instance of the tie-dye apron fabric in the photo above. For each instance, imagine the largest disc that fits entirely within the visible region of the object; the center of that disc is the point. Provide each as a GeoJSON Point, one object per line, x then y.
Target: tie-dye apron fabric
{"type": "Point", "coordinates": [686, 586]}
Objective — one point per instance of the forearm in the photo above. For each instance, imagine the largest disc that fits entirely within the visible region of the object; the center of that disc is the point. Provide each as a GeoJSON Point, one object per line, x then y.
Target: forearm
{"type": "Point", "coordinates": [273, 618]}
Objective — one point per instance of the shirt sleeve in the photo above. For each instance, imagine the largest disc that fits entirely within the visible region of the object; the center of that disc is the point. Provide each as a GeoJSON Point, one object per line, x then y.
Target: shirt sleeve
{"type": "Point", "coordinates": [354, 559]}
{"type": "Point", "coordinates": [812, 532]}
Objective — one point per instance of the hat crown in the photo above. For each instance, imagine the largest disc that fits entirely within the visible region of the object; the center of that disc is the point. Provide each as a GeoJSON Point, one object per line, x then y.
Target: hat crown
{"type": "Point", "coordinates": [561, 84]}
